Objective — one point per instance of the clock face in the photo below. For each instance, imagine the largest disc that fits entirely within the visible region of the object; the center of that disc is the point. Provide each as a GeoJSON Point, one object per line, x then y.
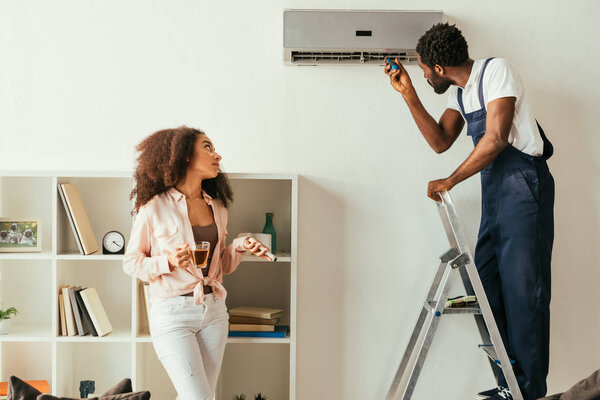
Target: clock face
{"type": "Point", "coordinates": [113, 242]}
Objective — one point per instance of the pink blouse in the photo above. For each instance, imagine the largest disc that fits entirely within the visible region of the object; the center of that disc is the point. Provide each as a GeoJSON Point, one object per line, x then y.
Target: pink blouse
{"type": "Point", "coordinates": [162, 224]}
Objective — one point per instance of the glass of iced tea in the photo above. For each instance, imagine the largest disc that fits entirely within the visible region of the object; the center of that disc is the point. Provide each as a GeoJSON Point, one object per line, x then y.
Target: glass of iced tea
{"type": "Point", "coordinates": [198, 252]}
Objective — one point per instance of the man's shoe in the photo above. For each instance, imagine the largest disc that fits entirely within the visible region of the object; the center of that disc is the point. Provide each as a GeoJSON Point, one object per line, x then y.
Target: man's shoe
{"type": "Point", "coordinates": [503, 394]}
{"type": "Point", "coordinates": [489, 393]}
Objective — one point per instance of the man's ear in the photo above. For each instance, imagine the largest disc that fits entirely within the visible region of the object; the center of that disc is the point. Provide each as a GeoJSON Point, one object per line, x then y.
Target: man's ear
{"type": "Point", "coordinates": [439, 69]}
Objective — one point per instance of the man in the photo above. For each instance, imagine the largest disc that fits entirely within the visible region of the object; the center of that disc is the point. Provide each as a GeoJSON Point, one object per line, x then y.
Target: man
{"type": "Point", "coordinates": [515, 238]}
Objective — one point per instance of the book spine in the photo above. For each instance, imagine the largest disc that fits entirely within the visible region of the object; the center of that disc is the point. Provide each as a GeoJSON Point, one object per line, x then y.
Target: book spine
{"type": "Point", "coordinates": [69, 312]}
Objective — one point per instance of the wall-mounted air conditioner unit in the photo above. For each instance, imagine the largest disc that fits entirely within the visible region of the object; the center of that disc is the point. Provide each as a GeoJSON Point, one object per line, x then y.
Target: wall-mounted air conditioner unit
{"type": "Point", "coordinates": [313, 37]}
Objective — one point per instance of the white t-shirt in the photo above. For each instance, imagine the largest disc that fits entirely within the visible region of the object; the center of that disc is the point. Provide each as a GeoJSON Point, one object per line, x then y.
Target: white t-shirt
{"type": "Point", "coordinates": [501, 80]}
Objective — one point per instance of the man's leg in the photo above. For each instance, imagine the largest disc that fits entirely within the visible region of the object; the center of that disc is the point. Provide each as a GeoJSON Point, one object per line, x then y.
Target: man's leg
{"type": "Point", "coordinates": [525, 218]}
{"type": "Point", "coordinates": [487, 267]}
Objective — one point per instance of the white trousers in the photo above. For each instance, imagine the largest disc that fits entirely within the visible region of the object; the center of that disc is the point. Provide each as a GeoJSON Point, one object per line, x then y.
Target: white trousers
{"type": "Point", "coordinates": [190, 341]}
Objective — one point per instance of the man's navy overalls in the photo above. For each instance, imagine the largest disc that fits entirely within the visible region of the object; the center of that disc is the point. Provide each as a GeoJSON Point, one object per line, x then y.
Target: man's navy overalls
{"type": "Point", "coordinates": [513, 252]}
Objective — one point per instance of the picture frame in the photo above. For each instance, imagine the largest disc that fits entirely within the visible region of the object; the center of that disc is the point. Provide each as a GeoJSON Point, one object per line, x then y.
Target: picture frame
{"type": "Point", "coordinates": [20, 235]}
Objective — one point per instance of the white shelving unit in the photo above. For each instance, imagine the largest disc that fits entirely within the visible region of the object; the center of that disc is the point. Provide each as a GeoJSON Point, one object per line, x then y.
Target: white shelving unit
{"type": "Point", "coordinates": [31, 281]}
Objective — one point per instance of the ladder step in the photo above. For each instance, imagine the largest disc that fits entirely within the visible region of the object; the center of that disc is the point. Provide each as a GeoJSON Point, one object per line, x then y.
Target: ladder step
{"type": "Point", "coordinates": [456, 310]}
{"type": "Point", "coordinates": [491, 353]}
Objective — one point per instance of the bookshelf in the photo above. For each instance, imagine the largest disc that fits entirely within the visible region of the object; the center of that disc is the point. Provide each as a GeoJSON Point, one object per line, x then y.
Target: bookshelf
{"type": "Point", "coordinates": [30, 282]}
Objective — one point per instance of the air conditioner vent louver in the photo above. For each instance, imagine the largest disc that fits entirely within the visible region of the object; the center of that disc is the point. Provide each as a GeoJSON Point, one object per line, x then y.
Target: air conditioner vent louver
{"type": "Point", "coordinates": [347, 57]}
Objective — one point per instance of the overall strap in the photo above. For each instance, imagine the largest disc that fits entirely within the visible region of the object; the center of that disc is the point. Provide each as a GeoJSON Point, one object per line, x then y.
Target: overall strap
{"type": "Point", "coordinates": [460, 100]}
{"type": "Point", "coordinates": [481, 82]}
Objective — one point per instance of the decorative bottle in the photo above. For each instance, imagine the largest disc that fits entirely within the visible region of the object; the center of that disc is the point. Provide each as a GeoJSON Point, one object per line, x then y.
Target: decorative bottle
{"type": "Point", "coordinates": [270, 229]}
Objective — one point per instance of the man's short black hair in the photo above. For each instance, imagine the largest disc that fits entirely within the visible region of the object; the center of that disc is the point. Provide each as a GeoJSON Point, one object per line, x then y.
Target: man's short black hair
{"type": "Point", "coordinates": [444, 45]}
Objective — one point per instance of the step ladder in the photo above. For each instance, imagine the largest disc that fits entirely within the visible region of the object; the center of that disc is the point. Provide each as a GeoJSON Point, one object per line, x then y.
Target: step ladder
{"type": "Point", "coordinates": [456, 260]}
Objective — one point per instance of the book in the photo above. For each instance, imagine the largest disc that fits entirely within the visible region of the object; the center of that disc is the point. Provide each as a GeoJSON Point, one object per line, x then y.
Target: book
{"type": "Point", "coordinates": [61, 311]}
{"type": "Point", "coordinates": [251, 328]}
{"type": "Point", "coordinates": [256, 312]}
{"type": "Point", "coordinates": [255, 321]}
{"type": "Point", "coordinates": [70, 319]}
{"type": "Point", "coordinates": [80, 223]}
{"type": "Point", "coordinates": [70, 218]}
{"type": "Point", "coordinates": [145, 292]}
{"type": "Point", "coordinates": [41, 386]}
{"type": "Point", "coordinates": [280, 332]}
{"type": "Point", "coordinates": [82, 328]}
{"type": "Point", "coordinates": [96, 310]}
{"type": "Point", "coordinates": [85, 315]}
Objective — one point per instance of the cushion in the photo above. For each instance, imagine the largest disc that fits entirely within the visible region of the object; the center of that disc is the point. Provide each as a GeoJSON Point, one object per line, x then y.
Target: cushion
{"type": "Point", "coordinates": [553, 397]}
{"type": "Point", "coordinates": [122, 387]}
{"type": "Point", "coordinates": [19, 390]}
{"type": "Point", "coordinates": [585, 389]}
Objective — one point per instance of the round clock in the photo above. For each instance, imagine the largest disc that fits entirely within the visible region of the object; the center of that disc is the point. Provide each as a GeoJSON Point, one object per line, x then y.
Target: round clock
{"type": "Point", "coordinates": [113, 243]}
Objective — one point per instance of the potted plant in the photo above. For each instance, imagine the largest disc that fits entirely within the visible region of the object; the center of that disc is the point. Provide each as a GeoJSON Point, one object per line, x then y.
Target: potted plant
{"type": "Point", "coordinates": [239, 397]}
{"type": "Point", "coordinates": [5, 319]}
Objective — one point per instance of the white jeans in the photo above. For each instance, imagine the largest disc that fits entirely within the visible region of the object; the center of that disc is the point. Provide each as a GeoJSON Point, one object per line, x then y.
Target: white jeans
{"type": "Point", "coordinates": [190, 341]}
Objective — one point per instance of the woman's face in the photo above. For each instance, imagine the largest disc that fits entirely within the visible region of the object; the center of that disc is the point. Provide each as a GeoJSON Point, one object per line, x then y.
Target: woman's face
{"type": "Point", "coordinates": [205, 161]}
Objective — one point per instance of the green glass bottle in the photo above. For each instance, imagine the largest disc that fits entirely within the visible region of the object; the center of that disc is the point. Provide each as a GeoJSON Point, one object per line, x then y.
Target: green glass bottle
{"type": "Point", "coordinates": [269, 228]}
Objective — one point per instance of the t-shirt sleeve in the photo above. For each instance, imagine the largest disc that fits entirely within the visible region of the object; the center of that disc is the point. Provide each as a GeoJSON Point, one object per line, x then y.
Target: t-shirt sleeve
{"type": "Point", "coordinates": [501, 79]}
{"type": "Point", "coordinates": [452, 100]}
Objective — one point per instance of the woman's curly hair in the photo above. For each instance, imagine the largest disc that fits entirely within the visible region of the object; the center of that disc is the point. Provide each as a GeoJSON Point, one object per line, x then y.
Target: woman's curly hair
{"type": "Point", "coordinates": [163, 161]}
{"type": "Point", "coordinates": [444, 45]}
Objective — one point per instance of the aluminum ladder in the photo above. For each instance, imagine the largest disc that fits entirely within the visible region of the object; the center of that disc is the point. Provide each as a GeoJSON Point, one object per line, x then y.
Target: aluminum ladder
{"type": "Point", "coordinates": [456, 260]}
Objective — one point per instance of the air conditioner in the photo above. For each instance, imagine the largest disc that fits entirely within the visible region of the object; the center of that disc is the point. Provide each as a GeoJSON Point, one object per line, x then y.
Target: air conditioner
{"type": "Point", "coordinates": [316, 37]}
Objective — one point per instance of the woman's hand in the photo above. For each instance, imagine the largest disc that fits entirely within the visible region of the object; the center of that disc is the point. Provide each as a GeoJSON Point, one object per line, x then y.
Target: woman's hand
{"type": "Point", "coordinates": [254, 248]}
{"type": "Point", "coordinates": [180, 258]}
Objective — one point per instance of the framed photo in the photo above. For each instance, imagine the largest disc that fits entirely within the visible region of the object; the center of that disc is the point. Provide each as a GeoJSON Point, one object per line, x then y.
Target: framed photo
{"type": "Point", "coordinates": [20, 235]}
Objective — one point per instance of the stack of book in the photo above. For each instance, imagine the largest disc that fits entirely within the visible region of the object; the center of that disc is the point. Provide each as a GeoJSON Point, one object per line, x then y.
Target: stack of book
{"type": "Point", "coordinates": [82, 313]}
{"type": "Point", "coordinates": [461, 301]}
{"type": "Point", "coordinates": [246, 321]}
{"type": "Point", "coordinates": [78, 218]}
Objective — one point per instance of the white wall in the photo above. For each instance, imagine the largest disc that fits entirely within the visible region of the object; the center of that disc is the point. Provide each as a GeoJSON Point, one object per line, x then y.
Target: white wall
{"type": "Point", "coordinates": [82, 82]}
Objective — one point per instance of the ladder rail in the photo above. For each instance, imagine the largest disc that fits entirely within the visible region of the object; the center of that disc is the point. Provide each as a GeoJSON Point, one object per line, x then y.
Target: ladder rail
{"type": "Point", "coordinates": [430, 330]}
{"type": "Point", "coordinates": [392, 392]}
{"type": "Point", "coordinates": [486, 311]}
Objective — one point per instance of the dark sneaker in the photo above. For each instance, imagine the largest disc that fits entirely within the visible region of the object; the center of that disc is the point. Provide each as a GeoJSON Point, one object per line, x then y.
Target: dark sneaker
{"type": "Point", "coordinates": [503, 394]}
{"type": "Point", "coordinates": [489, 393]}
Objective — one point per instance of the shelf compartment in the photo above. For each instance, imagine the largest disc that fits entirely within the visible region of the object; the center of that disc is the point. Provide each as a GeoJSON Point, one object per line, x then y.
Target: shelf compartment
{"type": "Point", "coordinates": [29, 197]}
{"type": "Point", "coordinates": [106, 201]}
{"type": "Point", "coordinates": [270, 288]}
{"type": "Point", "coordinates": [27, 361]}
{"type": "Point", "coordinates": [113, 287]}
{"type": "Point", "coordinates": [105, 363]}
{"type": "Point", "coordinates": [24, 284]}
{"type": "Point", "coordinates": [254, 368]}
{"type": "Point", "coordinates": [252, 199]}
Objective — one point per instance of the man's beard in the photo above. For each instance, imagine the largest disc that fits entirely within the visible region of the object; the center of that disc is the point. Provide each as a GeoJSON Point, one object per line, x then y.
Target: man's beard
{"type": "Point", "coordinates": [440, 85]}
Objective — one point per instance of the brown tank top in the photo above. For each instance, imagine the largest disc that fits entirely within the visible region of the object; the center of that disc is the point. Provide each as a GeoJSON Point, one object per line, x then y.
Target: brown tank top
{"type": "Point", "coordinates": [208, 233]}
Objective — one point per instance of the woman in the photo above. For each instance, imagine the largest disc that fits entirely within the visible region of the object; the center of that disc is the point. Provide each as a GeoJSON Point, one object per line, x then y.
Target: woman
{"type": "Point", "coordinates": [181, 197]}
